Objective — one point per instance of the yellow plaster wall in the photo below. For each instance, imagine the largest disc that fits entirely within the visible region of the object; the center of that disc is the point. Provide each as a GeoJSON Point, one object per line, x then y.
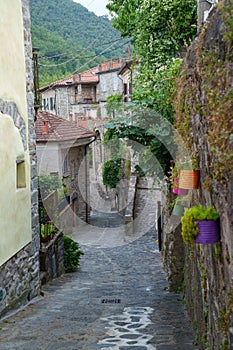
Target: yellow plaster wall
{"type": "Point", "coordinates": [12, 60]}
{"type": "Point", "coordinates": [15, 208]}
{"type": "Point", "coordinates": [15, 204]}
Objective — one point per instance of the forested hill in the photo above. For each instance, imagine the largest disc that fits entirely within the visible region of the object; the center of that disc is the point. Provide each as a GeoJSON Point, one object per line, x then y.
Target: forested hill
{"type": "Point", "coordinates": [75, 38]}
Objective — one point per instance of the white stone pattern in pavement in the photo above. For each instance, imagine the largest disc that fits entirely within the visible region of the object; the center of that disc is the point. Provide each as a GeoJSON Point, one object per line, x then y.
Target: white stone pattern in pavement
{"type": "Point", "coordinates": [126, 330]}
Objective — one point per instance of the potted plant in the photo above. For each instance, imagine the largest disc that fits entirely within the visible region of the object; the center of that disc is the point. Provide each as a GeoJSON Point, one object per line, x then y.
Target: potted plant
{"type": "Point", "coordinates": [199, 224]}
{"type": "Point", "coordinates": [189, 176]}
{"type": "Point", "coordinates": [176, 188]}
{"type": "Point", "coordinates": [180, 205]}
{"type": "Point", "coordinates": [174, 180]}
{"type": "Point", "coordinates": [46, 231]}
{"type": "Point", "coordinates": [178, 209]}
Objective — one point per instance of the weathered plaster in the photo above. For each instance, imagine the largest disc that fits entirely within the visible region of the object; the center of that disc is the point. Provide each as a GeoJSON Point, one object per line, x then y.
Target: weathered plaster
{"type": "Point", "coordinates": [12, 63]}
{"type": "Point", "coordinates": [15, 218]}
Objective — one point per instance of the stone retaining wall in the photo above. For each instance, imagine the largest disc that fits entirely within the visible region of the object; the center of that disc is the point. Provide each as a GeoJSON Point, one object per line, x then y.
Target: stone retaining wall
{"type": "Point", "coordinates": [52, 258]}
{"type": "Point", "coordinates": [208, 269]}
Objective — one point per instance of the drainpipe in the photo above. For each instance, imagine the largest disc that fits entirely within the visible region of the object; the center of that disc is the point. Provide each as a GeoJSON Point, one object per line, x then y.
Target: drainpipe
{"type": "Point", "coordinates": [67, 104]}
{"type": "Point", "coordinates": [35, 51]}
{"type": "Point", "coordinates": [86, 184]}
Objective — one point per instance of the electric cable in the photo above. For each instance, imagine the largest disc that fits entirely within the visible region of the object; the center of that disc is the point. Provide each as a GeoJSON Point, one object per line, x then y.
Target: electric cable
{"type": "Point", "coordinates": [80, 50]}
{"type": "Point", "coordinates": [82, 57]}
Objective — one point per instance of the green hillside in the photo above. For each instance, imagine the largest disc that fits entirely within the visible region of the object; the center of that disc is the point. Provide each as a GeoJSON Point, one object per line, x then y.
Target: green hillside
{"type": "Point", "coordinates": [71, 39]}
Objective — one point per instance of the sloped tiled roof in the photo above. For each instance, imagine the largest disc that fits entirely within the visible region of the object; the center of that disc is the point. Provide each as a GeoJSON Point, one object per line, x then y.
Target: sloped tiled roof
{"type": "Point", "coordinates": [88, 76]}
{"type": "Point", "coordinates": [58, 129]}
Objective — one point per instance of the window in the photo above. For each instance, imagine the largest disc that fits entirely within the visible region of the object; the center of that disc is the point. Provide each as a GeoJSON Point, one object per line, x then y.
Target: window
{"type": "Point", "coordinates": [44, 104]}
{"type": "Point", "coordinates": [125, 92]}
{"type": "Point", "coordinates": [51, 104]}
{"type": "Point", "coordinates": [20, 173]}
{"type": "Point", "coordinates": [115, 83]}
{"type": "Point", "coordinates": [103, 85]}
{"type": "Point", "coordinates": [65, 166]}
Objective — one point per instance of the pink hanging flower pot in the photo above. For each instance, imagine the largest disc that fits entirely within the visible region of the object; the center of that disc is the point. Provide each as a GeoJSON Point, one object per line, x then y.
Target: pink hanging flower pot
{"type": "Point", "coordinates": [182, 191]}
{"type": "Point", "coordinates": [177, 190]}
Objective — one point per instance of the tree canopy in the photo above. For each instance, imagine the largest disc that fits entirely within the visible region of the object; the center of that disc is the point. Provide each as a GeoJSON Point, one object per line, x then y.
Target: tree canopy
{"type": "Point", "coordinates": [161, 31]}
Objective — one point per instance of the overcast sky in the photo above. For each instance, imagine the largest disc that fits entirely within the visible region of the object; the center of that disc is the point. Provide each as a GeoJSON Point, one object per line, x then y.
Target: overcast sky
{"type": "Point", "coordinates": [97, 6]}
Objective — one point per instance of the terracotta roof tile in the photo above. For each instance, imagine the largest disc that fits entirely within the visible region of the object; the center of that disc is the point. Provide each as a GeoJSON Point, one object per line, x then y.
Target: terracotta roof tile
{"type": "Point", "coordinates": [88, 76]}
{"type": "Point", "coordinates": [50, 127]}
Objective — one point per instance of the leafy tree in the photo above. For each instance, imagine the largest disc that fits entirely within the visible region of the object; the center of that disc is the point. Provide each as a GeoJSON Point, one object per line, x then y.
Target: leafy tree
{"type": "Point", "coordinates": [161, 30]}
{"type": "Point", "coordinates": [112, 172]}
{"type": "Point", "coordinates": [113, 105]}
{"type": "Point", "coordinates": [147, 122]}
{"type": "Point", "coordinates": [49, 183]}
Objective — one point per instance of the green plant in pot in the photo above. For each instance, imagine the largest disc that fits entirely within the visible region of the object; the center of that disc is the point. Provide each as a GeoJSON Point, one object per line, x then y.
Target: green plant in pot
{"type": "Point", "coordinates": [199, 225]}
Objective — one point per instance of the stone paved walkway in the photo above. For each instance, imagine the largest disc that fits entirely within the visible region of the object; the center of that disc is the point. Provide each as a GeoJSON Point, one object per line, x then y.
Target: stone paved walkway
{"type": "Point", "coordinates": [117, 300]}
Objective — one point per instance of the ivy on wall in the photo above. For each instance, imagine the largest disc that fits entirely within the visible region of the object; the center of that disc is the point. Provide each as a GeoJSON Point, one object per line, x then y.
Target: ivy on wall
{"type": "Point", "coordinates": [205, 92]}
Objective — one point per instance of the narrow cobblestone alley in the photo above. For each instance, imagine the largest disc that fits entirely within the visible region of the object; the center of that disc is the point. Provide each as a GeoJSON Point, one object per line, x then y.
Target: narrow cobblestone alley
{"type": "Point", "coordinates": [117, 300]}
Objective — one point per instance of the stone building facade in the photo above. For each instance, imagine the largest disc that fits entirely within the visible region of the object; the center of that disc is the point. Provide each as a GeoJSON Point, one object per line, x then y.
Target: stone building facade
{"type": "Point", "coordinates": [19, 265]}
{"type": "Point", "coordinates": [62, 149]}
{"type": "Point", "coordinates": [83, 96]}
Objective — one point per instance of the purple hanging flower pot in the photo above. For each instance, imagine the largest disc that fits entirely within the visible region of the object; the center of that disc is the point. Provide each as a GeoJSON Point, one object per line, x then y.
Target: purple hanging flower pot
{"type": "Point", "coordinates": [208, 232]}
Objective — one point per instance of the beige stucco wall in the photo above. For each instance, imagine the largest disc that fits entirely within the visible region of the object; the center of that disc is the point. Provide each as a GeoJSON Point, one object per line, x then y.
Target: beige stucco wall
{"type": "Point", "coordinates": [48, 160]}
{"type": "Point", "coordinates": [12, 59]}
{"type": "Point", "coordinates": [15, 217]}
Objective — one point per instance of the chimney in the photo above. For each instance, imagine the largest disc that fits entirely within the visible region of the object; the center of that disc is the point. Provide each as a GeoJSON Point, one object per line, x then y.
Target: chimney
{"type": "Point", "coordinates": [45, 127]}
{"type": "Point", "coordinates": [75, 78]}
